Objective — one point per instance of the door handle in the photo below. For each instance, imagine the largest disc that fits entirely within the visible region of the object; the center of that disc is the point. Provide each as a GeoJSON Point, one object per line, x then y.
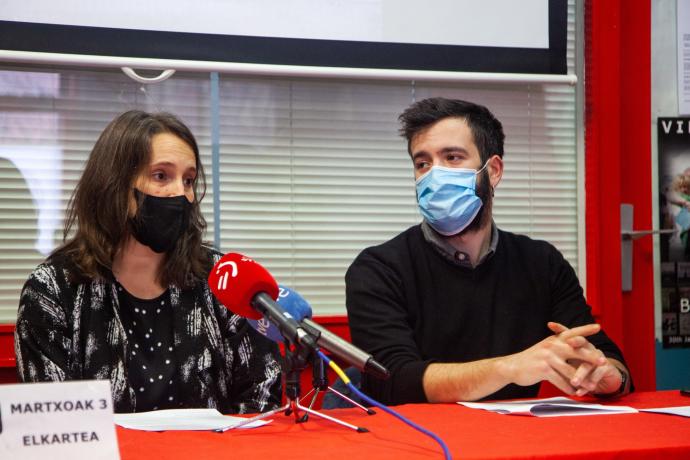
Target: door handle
{"type": "Point", "coordinates": [637, 234]}
{"type": "Point", "coordinates": [628, 235]}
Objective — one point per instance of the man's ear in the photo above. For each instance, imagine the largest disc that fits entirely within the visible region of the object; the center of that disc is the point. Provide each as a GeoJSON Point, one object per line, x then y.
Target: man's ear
{"type": "Point", "coordinates": [495, 170]}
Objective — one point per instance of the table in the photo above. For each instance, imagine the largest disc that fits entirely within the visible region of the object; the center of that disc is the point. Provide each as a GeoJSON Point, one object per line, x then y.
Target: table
{"type": "Point", "coordinates": [469, 433]}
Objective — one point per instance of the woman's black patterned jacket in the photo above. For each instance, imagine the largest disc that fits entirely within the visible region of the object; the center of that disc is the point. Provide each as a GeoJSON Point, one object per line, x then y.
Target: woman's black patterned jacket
{"type": "Point", "coordinates": [73, 331]}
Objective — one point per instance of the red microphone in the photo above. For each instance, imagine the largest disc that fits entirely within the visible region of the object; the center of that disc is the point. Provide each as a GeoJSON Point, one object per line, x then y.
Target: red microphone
{"type": "Point", "coordinates": [236, 279]}
{"type": "Point", "coordinates": [248, 289]}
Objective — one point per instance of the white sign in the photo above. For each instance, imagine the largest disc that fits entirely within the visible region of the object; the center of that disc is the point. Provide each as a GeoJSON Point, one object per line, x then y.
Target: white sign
{"type": "Point", "coordinates": [57, 421]}
{"type": "Point", "coordinates": [683, 46]}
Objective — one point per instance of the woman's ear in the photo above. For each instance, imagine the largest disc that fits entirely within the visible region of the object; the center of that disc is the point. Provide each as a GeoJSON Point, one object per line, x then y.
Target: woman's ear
{"type": "Point", "coordinates": [131, 203]}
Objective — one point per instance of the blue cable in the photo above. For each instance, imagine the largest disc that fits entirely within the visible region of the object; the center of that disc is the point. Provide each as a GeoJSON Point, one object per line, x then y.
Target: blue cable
{"type": "Point", "coordinates": [435, 437]}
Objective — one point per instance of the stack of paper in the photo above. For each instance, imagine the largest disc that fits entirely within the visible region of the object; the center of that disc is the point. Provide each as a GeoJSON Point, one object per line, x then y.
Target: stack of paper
{"type": "Point", "coordinates": [550, 407]}
{"type": "Point", "coordinates": [183, 419]}
{"type": "Point", "coordinates": [683, 411]}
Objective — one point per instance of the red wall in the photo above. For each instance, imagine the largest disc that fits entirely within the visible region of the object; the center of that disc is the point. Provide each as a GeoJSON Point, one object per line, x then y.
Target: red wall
{"type": "Point", "coordinates": [618, 170]}
{"type": "Point", "coordinates": [7, 361]}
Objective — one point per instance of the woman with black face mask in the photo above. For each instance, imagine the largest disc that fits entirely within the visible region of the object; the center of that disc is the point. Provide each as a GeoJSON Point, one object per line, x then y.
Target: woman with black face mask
{"type": "Point", "coordinates": [125, 297]}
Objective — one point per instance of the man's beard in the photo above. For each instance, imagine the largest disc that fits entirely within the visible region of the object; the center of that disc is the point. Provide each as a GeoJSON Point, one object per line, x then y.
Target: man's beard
{"type": "Point", "coordinates": [483, 191]}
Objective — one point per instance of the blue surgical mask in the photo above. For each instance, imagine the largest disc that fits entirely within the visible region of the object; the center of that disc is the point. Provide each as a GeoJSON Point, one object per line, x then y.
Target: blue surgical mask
{"type": "Point", "coordinates": [447, 198]}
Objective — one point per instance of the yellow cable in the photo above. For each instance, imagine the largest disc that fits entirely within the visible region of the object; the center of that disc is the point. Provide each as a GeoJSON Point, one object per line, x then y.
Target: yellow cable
{"type": "Point", "coordinates": [339, 372]}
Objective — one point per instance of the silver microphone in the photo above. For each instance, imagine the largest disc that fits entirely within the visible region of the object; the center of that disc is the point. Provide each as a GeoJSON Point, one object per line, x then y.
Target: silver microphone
{"type": "Point", "coordinates": [344, 350]}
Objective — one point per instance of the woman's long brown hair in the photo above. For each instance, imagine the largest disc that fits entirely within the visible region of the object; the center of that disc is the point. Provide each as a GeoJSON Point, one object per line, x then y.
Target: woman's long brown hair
{"type": "Point", "coordinates": [98, 209]}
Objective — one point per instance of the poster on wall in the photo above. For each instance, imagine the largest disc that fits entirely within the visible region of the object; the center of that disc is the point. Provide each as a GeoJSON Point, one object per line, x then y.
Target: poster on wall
{"type": "Point", "coordinates": [674, 206]}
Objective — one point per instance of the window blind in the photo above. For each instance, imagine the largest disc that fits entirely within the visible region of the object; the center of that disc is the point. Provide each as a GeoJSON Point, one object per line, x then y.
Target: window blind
{"type": "Point", "coordinates": [312, 172]}
{"type": "Point", "coordinates": [49, 122]}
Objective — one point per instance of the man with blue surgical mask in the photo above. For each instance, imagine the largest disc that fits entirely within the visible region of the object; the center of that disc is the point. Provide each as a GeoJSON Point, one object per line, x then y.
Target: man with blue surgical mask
{"type": "Point", "coordinates": [459, 310]}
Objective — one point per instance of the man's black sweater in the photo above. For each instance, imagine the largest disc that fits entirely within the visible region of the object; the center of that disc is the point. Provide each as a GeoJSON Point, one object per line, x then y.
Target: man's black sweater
{"type": "Point", "coordinates": [409, 306]}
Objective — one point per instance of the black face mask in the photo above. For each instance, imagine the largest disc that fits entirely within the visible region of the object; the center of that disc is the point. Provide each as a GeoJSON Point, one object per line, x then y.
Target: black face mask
{"type": "Point", "coordinates": [160, 221]}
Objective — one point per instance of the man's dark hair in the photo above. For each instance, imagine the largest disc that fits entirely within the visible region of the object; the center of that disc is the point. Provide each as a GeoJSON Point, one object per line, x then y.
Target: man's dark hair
{"type": "Point", "coordinates": [486, 129]}
{"type": "Point", "coordinates": [97, 223]}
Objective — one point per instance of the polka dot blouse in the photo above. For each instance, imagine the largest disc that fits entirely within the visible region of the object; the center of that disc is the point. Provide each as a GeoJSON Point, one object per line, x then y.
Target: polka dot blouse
{"type": "Point", "coordinates": [151, 366]}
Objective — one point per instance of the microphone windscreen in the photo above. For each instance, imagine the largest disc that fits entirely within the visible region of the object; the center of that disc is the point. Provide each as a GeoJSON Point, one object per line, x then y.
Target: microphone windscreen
{"type": "Point", "coordinates": [236, 279]}
{"type": "Point", "coordinates": [293, 304]}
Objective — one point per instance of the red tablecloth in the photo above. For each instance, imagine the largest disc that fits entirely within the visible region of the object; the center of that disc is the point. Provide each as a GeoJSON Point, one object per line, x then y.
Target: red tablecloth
{"type": "Point", "coordinates": [469, 433]}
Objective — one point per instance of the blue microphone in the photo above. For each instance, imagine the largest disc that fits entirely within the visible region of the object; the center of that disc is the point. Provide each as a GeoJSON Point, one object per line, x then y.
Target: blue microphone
{"type": "Point", "coordinates": [294, 305]}
{"type": "Point", "coordinates": [299, 309]}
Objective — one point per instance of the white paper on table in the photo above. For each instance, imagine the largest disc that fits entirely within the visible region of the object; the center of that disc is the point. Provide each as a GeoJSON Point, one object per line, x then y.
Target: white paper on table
{"type": "Point", "coordinates": [183, 419]}
{"type": "Point", "coordinates": [683, 411]}
{"type": "Point", "coordinates": [550, 407]}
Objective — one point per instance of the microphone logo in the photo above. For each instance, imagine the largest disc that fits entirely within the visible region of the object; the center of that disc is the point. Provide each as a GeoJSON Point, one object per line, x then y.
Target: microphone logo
{"type": "Point", "coordinates": [223, 280]}
{"type": "Point", "coordinates": [262, 326]}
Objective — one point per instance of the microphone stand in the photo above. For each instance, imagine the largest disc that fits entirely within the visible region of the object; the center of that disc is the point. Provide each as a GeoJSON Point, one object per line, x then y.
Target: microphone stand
{"type": "Point", "coordinates": [294, 363]}
{"type": "Point", "coordinates": [320, 383]}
